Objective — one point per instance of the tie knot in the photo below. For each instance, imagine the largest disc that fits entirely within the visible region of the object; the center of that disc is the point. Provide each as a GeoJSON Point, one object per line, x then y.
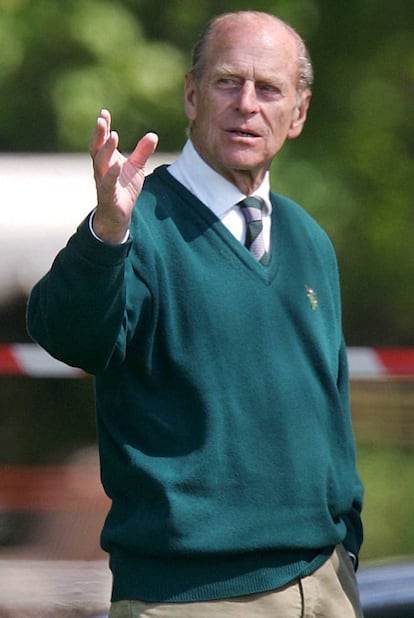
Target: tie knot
{"type": "Point", "coordinates": [251, 208]}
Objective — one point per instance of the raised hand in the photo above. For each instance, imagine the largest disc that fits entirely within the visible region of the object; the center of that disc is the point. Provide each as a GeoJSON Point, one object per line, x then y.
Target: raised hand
{"type": "Point", "coordinates": [118, 179]}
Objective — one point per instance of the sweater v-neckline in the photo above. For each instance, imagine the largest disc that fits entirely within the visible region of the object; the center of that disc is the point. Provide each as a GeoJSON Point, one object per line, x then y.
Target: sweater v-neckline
{"type": "Point", "coordinates": [225, 238]}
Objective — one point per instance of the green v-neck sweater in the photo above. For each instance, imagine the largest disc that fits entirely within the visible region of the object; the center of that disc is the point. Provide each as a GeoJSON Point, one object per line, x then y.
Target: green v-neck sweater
{"type": "Point", "coordinates": [222, 396]}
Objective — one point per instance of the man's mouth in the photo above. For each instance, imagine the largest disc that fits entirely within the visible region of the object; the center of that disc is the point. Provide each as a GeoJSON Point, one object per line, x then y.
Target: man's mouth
{"type": "Point", "coordinates": [243, 133]}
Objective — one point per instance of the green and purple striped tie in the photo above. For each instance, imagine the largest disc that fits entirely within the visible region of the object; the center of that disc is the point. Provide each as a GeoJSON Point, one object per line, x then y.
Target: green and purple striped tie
{"type": "Point", "coordinates": [251, 208]}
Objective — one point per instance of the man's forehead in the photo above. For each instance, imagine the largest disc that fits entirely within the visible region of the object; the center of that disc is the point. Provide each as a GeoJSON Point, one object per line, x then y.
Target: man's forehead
{"type": "Point", "coordinates": [252, 64]}
{"type": "Point", "coordinates": [265, 46]}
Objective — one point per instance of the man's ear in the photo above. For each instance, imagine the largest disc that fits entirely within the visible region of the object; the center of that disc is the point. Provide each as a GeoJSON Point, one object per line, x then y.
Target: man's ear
{"type": "Point", "coordinates": [190, 97]}
{"type": "Point", "coordinates": [299, 115]}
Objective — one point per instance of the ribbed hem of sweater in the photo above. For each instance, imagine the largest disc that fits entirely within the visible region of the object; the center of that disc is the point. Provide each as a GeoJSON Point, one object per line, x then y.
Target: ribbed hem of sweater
{"type": "Point", "coordinates": [190, 579]}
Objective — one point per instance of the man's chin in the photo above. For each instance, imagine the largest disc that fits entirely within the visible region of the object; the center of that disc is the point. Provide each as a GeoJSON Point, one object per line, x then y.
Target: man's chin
{"type": "Point", "coordinates": [246, 177]}
{"type": "Point", "coordinates": [247, 165]}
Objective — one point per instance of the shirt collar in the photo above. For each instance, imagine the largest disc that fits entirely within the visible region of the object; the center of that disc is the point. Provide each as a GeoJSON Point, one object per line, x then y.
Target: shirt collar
{"type": "Point", "coordinates": [209, 186]}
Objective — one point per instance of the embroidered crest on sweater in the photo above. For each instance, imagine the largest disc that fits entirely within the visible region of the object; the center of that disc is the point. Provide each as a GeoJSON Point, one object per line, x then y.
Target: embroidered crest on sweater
{"type": "Point", "coordinates": [312, 297]}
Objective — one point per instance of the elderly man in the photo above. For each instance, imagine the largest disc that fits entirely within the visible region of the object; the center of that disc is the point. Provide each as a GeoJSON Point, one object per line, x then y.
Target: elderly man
{"type": "Point", "coordinates": [208, 308]}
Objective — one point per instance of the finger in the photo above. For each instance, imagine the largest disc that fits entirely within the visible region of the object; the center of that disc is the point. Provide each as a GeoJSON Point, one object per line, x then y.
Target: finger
{"type": "Point", "coordinates": [144, 149]}
{"type": "Point", "coordinates": [106, 115]}
{"type": "Point", "coordinates": [101, 132]}
{"type": "Point", "coordinates": [105, 156]}
{"type": "Point", "coordinates": [98, 137]}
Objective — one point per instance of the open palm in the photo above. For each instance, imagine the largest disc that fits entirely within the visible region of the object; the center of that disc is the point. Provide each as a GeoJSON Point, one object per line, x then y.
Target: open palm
{"type": "Point", "coordinates": [118, 179]}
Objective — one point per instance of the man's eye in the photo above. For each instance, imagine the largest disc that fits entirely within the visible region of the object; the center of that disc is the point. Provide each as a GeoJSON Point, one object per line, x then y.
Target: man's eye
{"type": "Point", "coordinates": [227, 81]}
{"type": "Point", "coordinates": [269, 91]}
{"type": "Point", "coordinates": [267, 88]}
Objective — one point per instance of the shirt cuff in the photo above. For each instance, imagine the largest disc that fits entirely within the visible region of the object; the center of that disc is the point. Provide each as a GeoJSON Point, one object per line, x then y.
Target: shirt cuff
{"type": "Point", "coordinates": [91, 217]}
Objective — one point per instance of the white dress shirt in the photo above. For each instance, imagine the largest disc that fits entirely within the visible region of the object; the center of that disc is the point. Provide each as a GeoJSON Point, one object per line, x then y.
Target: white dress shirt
{"type": "Point", "coordinates": [218, 194]}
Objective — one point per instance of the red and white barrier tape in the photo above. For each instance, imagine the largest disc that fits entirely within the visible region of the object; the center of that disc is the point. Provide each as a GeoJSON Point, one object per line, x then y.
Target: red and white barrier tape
{"type": "Point", "coordinates": [380, 362]}
{"type": "Point", "coordinates": [31, 360]}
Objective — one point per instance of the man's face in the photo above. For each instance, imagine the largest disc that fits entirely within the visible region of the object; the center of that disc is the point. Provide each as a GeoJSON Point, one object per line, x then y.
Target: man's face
{"type": "Point", "coordinates": [246, 103]}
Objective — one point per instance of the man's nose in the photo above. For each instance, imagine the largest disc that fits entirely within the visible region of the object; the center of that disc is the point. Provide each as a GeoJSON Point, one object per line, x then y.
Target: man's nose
{"type": "Point", "coordinates": [247, 101]}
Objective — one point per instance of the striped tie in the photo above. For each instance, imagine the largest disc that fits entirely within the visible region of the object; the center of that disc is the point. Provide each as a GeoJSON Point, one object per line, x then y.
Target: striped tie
{"type": "Point", "coordinates": [251, 207]}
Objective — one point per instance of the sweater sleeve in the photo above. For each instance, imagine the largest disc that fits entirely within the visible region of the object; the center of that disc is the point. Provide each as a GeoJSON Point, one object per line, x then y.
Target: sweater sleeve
{"type": "Point", "coordinates": [77, 311]}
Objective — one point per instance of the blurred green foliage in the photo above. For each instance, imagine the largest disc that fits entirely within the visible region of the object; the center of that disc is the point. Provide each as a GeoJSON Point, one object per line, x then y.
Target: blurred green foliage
{"type": "Point", "coordinates": [388, 505]}
{"type": "Point", "coordinates": [60, 62]}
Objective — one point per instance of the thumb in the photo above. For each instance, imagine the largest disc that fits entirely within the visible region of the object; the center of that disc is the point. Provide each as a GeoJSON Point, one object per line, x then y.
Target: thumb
{"type": "Point", "coordinates": [144, 149]}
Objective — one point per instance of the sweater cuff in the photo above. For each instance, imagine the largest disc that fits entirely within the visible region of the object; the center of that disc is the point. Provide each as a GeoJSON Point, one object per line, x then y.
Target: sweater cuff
{"type": "Point", "coordinates": [89, 247]}
{"type": "Point", "coordinates": [91, 218]}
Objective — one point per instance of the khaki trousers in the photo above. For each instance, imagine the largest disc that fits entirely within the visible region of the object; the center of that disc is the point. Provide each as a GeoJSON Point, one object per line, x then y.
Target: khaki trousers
{"type": "Point", "coordinates": [330, 592]}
